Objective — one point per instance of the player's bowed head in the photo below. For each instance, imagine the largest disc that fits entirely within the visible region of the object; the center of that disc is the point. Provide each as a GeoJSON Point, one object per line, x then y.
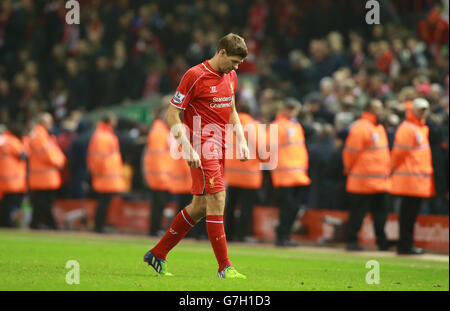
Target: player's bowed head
{"type": "Point", "coordinates": [231, 51]}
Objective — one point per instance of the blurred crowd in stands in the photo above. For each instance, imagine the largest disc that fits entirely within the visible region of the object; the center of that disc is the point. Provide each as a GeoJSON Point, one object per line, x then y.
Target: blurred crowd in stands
{"type": "Point", "coordinates": [320, 52]}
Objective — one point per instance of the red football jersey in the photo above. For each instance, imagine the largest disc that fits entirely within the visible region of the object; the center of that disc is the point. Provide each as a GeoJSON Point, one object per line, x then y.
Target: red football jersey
{"type": "Point", "coordinates": [206, 93]}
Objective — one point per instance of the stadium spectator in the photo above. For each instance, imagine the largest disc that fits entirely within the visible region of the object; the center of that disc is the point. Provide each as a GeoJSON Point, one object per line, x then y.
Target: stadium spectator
{"type": "Point", "coordinates": [335, 173]}
{"type": "Point", "coordinates": [320, 154]}
{"type": "Point", "coordinates": [437, 204]}
{"type": "Point", "coordinates": [434, 30]}
{"type": "Point", "coordinates": [77, 153]}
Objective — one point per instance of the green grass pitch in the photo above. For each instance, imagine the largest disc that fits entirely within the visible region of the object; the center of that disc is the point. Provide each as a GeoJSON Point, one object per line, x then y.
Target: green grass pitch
{"type": "Point", "coordinates": [36, 261]}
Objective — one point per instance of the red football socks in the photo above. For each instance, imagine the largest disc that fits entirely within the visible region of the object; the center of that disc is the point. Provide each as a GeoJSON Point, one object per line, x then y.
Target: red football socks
{"type": "Point", "coordinates": [216, 234]}
{"type": "Point", "coordinates": [180, 226]}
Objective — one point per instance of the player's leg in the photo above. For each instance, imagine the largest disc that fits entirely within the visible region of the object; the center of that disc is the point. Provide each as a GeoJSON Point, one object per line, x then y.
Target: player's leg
{"type": "Point", "coordinates": [197, 209]}
{"type": "Point", "coordinates": [216, 233]}
{"type": "Point", "coordinates": [181, 225]}
{"type": "Point", "coordinates": [215, 228]}
{"type": "Point", "coordinates": [183, 222]}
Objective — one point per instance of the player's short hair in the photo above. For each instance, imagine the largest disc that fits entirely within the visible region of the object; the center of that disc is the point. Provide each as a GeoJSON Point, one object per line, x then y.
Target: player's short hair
{"type": "Point", "coordinates": [234, 45]}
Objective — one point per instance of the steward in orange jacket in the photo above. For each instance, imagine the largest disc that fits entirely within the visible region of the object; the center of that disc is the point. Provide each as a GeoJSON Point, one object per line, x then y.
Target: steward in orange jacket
{"type": "Point", "coordinates": [12, 164]}
{"type": "Point", "coordinates": [293, 162]}
{"type": "Point", "coordinates": [157, 165]}
{"type": "Point", "coordinates": [246, 174]}
{"type": "Point", "coordinates": [290, 176]}
{"type": "Point", "coordinates": [367, 166]}
{"type": "Point", "coordinates": [243, 180]}
{"type": "Point", "coordinates": [45, 162]}
{"type": "Point", "coordinates": [179, 174]}
{"type": "Point", "coordinates": [164, 174]}
{"type": "Point", "coordinates": [412, 171]}
{"type": "Point", "coordinates": [12, 174]}
{"type": "Point", "coordinates": [105, 165]}
{"type": "Point", "coordinates": [157, 159]}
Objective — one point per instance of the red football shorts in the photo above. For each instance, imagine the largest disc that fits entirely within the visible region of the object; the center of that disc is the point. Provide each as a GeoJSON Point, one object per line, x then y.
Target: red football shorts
{"type": "Point", "coordinates": [209, 177]}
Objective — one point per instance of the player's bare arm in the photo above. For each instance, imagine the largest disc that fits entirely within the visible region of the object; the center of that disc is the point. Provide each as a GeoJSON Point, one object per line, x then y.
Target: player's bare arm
{"type": "Point", "coordinates": [177, 129]}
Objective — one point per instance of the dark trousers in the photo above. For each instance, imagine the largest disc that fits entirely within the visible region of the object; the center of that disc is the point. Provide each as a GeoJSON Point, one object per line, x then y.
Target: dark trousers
{"type": "Point", "coordinates": [184, 200]}
{"type": "Point", "coordinates": [159, 200]}
{"type": "Point", "coordinates": [409, 209]}
{"type": "Point", "coordinates": [42, 204]}
{"type": "Point", "coordinates": [359, 205]}
{"type": "Point", "coordinates": [289, 199]}
{"type": "Point", "coordinates": [7, 204]}
{"type": "Point", "coordinates": [238, 229]}
{"type": "Point", "coordinates": [103, 201]}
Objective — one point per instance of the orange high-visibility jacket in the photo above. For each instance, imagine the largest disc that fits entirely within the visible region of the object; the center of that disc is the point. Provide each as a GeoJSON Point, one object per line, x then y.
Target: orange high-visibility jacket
{"type": "Point", "coordinates": [179, 174]}
{"type": "Point", "coordinates": [157, 159]}
{"type": "Point", "coordinates": [45, 160]}
{"type": "Point", "coordinates": [245, 174]}
{"type": "Point", "coordinates": [366, 157]}
{"type": "Point", "coordinates": [292, 166]}
{"type": "Point", "coordinates": [104, 160]}
{"type": "Point", "coordinates": [13, 169]}
{"type": "Point", "coordinates": [412, 169]}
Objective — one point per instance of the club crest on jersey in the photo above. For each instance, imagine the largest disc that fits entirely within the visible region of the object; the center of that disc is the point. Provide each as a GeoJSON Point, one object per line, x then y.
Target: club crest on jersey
{"type": "Point", "coordinates": [213, 89]}
{"type": "Point", "coordinates": [178, 97]}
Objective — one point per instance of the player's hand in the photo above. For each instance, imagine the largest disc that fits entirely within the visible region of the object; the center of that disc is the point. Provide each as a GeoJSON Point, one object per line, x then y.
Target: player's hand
{"type": "Point", "coordinates": [194, 159]}
{"type": "Point", "coordinates": [243, 152]}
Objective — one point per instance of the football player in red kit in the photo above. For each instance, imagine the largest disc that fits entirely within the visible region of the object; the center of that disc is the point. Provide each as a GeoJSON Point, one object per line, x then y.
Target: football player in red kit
{"type": "Point", "coordinates": [205, 95]}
